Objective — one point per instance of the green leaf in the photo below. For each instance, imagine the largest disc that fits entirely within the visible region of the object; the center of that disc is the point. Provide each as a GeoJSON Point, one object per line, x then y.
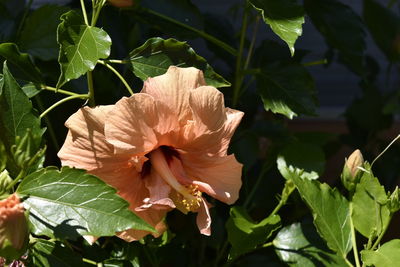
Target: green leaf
{"type": "Point", "coordinates": [302, 159]}
{"type": "Point", "coordinates": [299, 245]}
{"type": "Point", "coordinates": [21, 62]}
{"type": "Point", "coordinates": [45, 253]}
{"type": "Point", "coordinates": [70, 202]}
{"type": "Point", "coordinates": [385, 256]}
{"type": "Point", "coordinates": [21, 131]}
{"type": "Point", "coordinates": [39, 35]}
{"type": "Point", "coordinates": [287, 89]}
{"type": "Point", "coordinates": [155, 56]}
{"type": "Point", "coordinates": [331, 213]}
{"type": "Point", "coordinates": [370, 212]}
{"type": "Point", "coordinates": [285, 17]}
{"type": "Point", "coordinates": [31, 89]}
{"type": "Point", "coordinates": [342, 29]}
{"type": "Point", "coordinates": [244, 234]}
{"type": "Point", "coordinates": [384, 26]}
{"type": "Point", "coordinates": [80, 47]}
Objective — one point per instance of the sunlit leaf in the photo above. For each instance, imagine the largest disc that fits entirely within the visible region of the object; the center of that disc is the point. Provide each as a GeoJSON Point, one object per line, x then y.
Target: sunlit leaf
{"type": "Point", "coordinates": [70, 202]}
{"type": "Point", "coordinates": [20, 126]}
{"type": "Point", "coordinates": [370, 212]}
{"type": "Point", "coordinates": [305, 160]}
{"type": "Point", "coordinates": [285, 17]}
{"type": "Point", "coordinates": [155, 56]}
{"type": "Point", "coordinates": [299, 245]}
{"type": "Point", "coordinates": [244, 234]}
{"type": "Point", "coordinates": [80, 46]}
{"type": "Point", "coordinates": [385, 256]}
{"type": "Point", "coordinates": [330, 210]}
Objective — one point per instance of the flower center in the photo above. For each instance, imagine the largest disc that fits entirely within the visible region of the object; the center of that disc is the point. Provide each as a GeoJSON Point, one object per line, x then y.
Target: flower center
{"type": "Point", "coordinates": [189, 197]}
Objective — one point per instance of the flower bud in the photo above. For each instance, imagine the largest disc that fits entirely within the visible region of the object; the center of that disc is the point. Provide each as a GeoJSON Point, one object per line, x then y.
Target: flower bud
{"type": "Point", "coordinates": [13, 228]}
{"type": "Point", "coordinates": [394, 201]}
{"type": "Point", "coordinates": [351, 173]}
{"type": "Point", "coordinates": [5, 180]}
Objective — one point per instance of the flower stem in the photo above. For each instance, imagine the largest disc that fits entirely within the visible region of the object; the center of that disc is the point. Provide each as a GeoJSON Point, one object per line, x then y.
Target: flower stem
{"type": "Point", "coordinates": [238, 72]}
{"type": "Point", "coordinates": [353, 237]}
{"type": "Point", "coordinates": [117, 74]}
{"type": "Point", "coordinates": [83, 96]}
{"type": "Point", "coordinates": [206, 36]}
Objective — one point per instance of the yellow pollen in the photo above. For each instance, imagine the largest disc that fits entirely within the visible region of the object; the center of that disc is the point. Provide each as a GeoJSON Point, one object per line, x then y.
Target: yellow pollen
{"type": "Point", "coordinates": [192, 204]}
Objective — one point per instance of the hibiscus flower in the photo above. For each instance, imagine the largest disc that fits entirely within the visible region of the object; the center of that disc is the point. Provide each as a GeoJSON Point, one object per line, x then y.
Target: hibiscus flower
{"type": "Point", "coordinates": [162, 148]}
{"type": "Point", "coordinates": [13, 225]}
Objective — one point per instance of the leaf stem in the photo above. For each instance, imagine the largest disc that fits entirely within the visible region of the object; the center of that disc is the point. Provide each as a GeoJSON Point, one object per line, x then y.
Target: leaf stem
{"type": "Point", "coordinates": [84, 12]}
{"type": "Point", "coordinates": [21, 24]}
{"type": "Point", "coordinates": [89, 261]}
{"type": "Point", "coordinates": [83, 96]}
{"type": "Point", "coordinates": [117, 61]}
{"type": "Point", "coordinates": [50, 128]}
{"type": "Point", "coordinates": [253, 41]}
{"type": "Point", "coordinates": [268, 244]}
{"type": "Point", "coordinates": [203, 34]}
{"type": "Point", "coordinates": [383, 152]}
{"type": "Point", "coordinates": [353, 237]}
{"type": "Point", "coordinates": [378, 240]}
{"type": "Point", "coordinates": [348, 262]}
{"type": "Point", "coordinates": [317, 62]}
{"type": "Point", "coordinates": [238, 74]}
{"type": "Point", "coordinates": [96, 11]}
{"type": "Point", "coordinates": [286, 192]}
{"type": "Point", "coordinates": [117, 74]}
{"type": "Point", "coordinates": [16, 180]}
{"type": "Point", "coordinates": [53, 89]}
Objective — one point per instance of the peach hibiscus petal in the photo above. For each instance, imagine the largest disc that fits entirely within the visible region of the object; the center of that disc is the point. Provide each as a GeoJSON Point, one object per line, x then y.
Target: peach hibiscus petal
{"type": "Point", "coordinates": [207, 104]}
{"type": "Point", "coordinates": [134, 191]}
{"type": "Point", "coordinates": [129, 126]}
{"type": "Point", "coordinates": [219, 177]}
{"type": "Point", "coordinates": [211, 134]}
{"type": "Point", "coordinates": [159, 192]}
{"type": "Point", "coordinates": [85, 143]}
{"type": "Point", "coordinates": [203, 219]}
{"type": "Point", "coordinates": [173, 87]}
{"type": "Point", "coordinates": [13, 225]}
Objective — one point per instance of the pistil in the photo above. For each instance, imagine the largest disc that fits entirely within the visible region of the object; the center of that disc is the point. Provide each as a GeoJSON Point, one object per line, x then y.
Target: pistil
{"type": "Point", "coordinates": [160, 165]}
